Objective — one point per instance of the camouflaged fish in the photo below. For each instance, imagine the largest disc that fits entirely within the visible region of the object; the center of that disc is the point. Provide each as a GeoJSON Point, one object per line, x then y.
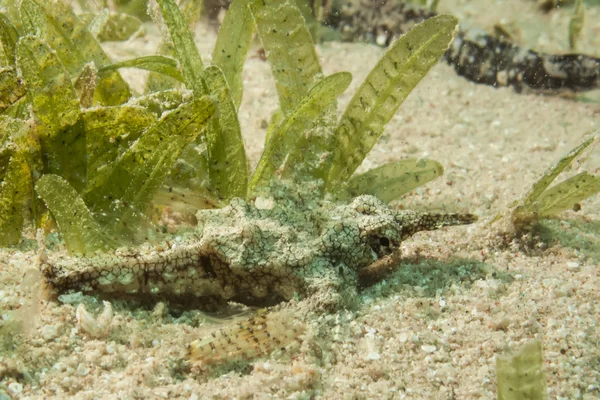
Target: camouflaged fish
{"type": "Point", "coordinates": [278, 247]}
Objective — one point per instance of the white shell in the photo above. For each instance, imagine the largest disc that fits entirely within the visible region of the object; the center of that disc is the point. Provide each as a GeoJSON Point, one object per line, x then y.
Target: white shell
{"type": "Point", "coordinates": [95, 327]}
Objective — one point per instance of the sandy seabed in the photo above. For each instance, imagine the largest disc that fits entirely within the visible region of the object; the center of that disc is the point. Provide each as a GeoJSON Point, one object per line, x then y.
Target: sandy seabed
{"type": "Point", "coordinates": [433, 328]}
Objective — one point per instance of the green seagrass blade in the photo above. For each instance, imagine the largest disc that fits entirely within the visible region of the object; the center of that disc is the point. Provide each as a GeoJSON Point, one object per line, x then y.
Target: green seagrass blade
{"type": "Point", "coordinates": [393, 78]}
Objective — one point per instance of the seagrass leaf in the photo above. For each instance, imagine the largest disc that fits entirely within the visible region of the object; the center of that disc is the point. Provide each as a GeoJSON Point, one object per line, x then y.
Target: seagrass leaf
{"type": "Point", "coordinates": [32, 18]}
{"type": "Point", "coordinates": [80, 231]}
{"type": "Point", "coordinates": [12, 88]}
{"type": "Point", "coordinates": [15, 191]}
{"type": "Point", "coordinates": [129, 182]}
{"type": "Point", "coordinates": [300, 120]}
{"type": "Point", "coordinates": [191, 10]}
{"type": "Point", "coordinates": [189, 175]}
{"type": "Point", "coordinates": [289, 47]}
{"type": "Point", "coordinates": [566, 194]}
{"type": "Point", "coordinates": [137, 8]}
{"type": "Point", "coordinates": [10, 8]}
{"type": "Point", "coordinates": [85, 85]}
{"type": "Point", "coordinates": [183, 41]}
{"type": "Point", "coordinates": [159, 64]}
{"type": "Point", "coordinates": [6, 151]}
{"type": "Point", "coordinates": [9, 38]}
{"type": "Point", "coordinates": [165, 100]}
{"type": "Point", "coordinates": [95, 21]}
{"type": "Point", "coordinates": [312, 12]}
{"type": "Point", "coordinates": [391, 181]}
{"type": "Point", "coordinates": [157, 83]}
{"type": "Point", "coordinates": [19, 109]}
{"type": "Point", "coordinates": [75, 46]}
{"type": "Point", "coordinates": [310, 159]}
{"type": "Point", "coordinates": [23, 135]}
{"type": "Point", "coordinates": [276, 118]}
{"type": "Point", "coordinates": [54, 101]}
{"type": "Point", "coordinates": [521, 375]}
{"type": "Point", "coordinates": [109, 132]}
{"type": "Point", "coordinates": [228, 166]}
{"type": "Point", "coordinates": [111, 26]}
{"type": "Point", "coordinates": [232, 45]}
{"type": "Point", "coordinates": [56, 109]}
{"type": "Point", "coordinates": [551, 174]}
{"type": "Point", "coordinates": [145, 184]}
{"type": "Point", "coordinates": [396, 74]}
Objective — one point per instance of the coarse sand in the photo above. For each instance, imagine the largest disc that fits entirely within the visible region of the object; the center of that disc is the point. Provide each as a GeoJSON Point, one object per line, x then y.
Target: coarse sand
{"type": "Point", "coordinates": [433, 328]}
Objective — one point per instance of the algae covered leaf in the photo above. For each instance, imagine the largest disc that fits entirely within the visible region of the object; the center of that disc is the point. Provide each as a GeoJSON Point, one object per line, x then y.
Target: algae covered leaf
{"type": "Point", "coordinates": [183, 41]}
{"type": "Point", "coordinates": [542, 202]}
{"type": "Point", "coordinates": [159, 64]}
{"type": "Point", "coordinates": [12, 88]}
{"type": "Point", "coordinates": [232, 45]}
{"type": "Point", "coordinates": [391, 181]}
{"type": "Point", "coordinates": [110, 131]}
{"type": "Point", "coordinates": [521, 375]}
{"type": "Point", "coordinates": [56, 108]}
{"type": "Point", "coordinates": [129, 183]}
{"type": "Point", "coordinates": [190, 10]}
{"type": "Point", "coordinates": [566, 194]}
{"type": "Point", "coordinates": [396, 74]}
{"type": "Point", "coordinates": [74, 44]}
{"type": "Point", "coordinates": [227, 169]}
{"type": "Point", "coordinates": [111, 26]}
{"type": "Point", "coordinates": [8, 39]}
{"type": "Point", "coordinates": [163, 101]}
{"type": "Point", "coordinates": [132, 205]}
{"type": "Point", "coordinates": [15, 188]}
{"type": "Point", "coordinates": [289, 47]}
{"type": "Point", "coordinates": [228, 165]}
{"type": "Point", "coordinates": [288, 131]}
{"type": "Point", "coordinates": [85, 85]}
{"type": "Point", "coordinates": [95, 21]}
{"type": "Point", "coordinates": [53, 97]}
{"type": "Point", "coordinates": [80, 231]}
{"type": "Point", "coordinates": [550, 175]}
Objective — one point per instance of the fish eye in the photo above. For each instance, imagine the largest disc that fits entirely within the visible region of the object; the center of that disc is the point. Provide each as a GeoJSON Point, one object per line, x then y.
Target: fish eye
{"type": "Point", "coordinates": [385, 242]}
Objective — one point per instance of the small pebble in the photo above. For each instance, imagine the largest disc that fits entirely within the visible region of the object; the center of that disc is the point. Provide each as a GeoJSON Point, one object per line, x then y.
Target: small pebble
{"type": "Point", "coordinates": [49, 332]}
{"type": "Point", "coordinates": [381, 40]}
{"type": "Point", "coordinates": [73, 298]}
{"type": "Point", "coordinates": [15, 388]}
{"type": "Point", "coordinates": [573, 266]}
{"type": "Point", "coordinates": [82, 370]}
{"type": "Point", "coordinates": [429, 348]}
{"type": "Point", "coordinates": [264, 203]}
{"type": "Point", "coordinates": [501, 325]}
